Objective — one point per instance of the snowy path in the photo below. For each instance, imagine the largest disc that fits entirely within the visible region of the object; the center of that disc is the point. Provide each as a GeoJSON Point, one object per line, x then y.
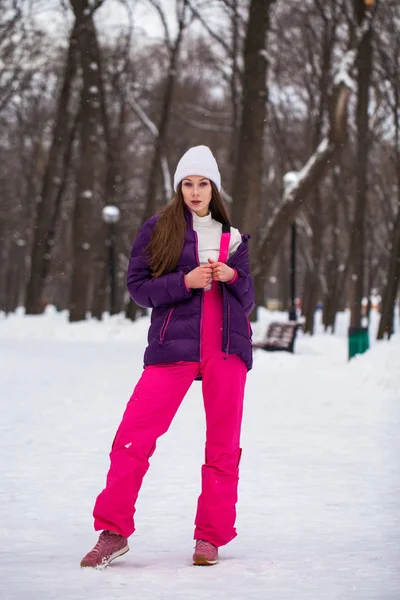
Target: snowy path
{"type": "Point", "coordinates": [319, 510]}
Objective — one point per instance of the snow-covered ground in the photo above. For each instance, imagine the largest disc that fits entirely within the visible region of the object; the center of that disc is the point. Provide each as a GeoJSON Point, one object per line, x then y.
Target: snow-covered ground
{"type": "Point", "coordinates": [319, 509]}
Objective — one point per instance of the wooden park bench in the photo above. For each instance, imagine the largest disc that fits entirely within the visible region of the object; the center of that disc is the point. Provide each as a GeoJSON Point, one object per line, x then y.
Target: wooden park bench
{"type": "Point", "coordinates": [279, 337]}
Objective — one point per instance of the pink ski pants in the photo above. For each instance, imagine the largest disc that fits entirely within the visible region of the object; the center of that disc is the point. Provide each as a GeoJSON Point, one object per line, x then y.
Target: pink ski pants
{"type": "Point", "coordinates": [148, 415]}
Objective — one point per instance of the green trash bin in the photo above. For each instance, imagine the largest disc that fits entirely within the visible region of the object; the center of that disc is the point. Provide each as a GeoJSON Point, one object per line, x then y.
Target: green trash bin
{"type": "Point", "coordinates": [358, 340]}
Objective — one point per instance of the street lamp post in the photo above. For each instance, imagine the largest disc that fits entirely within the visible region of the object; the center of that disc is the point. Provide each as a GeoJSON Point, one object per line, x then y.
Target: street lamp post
{"type": "Point", "coordinates": [292, 310]}
{"type": "Point", "coordinates": [290, 180]}
{"type": "Point", "coordinates": [110, 215]}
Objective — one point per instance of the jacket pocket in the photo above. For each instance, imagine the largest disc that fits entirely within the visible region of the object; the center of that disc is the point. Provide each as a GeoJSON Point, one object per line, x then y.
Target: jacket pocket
{"type": "Point", "coordinates": [165, 324]}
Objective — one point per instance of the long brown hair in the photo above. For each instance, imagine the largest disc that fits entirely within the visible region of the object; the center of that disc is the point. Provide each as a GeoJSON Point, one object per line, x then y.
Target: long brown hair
{"type": "Point", "coordinates": [168, 237]}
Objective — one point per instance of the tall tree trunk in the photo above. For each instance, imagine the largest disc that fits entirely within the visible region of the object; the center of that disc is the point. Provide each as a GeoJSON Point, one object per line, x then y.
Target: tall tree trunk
{"type": "Point", "coordinates": [54, 221]}
{"type": "Point", "coordinates": [312, 302]}
{"type": "Point", "coordinates": [11, 298]}
{"type": "Point", "coordinates": [283, 279]}
{"type": "Point", "coordinates": [248, 172]}
{"type": "Point", "coordinates": [389, 295]}
{"type": "Point", "coordinates": [114, 144]}
{"type": "Point", "coordinates": [100, 277]}
{"type": "Point", "coordinates": [364, 68]}
{"type": "Point", "coordinates": [234, 88]}
{"type": "Point", "coordinates": [53, 181]}
{"type": "Point", "coordinates": [91, 121]}
{"type": "Point", "coordinates": [332, 272]}
{"type": "Point", "coordinates": [386, 323]}
{"type": "Point", "coordinates": [247, 183]}
{"type": "Point", "coordinates": [314, 274]}
{"type": "Point", "coordinates": [259, 290]}
{"type": "Point", "coordinates": [4, 253]}
{"type": "Point", "coordinates": [316, 220]}
{"type": "Point", "coordinates": [306, 294]}
{"type": "Point", "coordinates": [338, 269]}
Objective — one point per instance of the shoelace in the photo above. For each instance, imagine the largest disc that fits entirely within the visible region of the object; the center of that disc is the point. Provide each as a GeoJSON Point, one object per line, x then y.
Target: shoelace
{"type": "Point", "coordinates": [99, 542]}
{"type": "Point", "coordinates": [103, 536]}
{"type": "Point", "coordinates": [202, 545]}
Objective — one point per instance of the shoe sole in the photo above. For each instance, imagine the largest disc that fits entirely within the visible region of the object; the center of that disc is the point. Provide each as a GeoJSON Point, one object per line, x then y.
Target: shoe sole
{"type": "Point", "coordinates": [106, 563]}
{"type": "Point", "coordinates": [202, 561]}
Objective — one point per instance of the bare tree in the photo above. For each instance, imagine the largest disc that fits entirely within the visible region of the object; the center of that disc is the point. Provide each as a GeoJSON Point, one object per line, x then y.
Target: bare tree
{"type": "Point", "coordinates": [336, 268]}
{"type": "Point", "coordinates": [91, 121]}
{"type": "Point", "coordinates": [389, 53]}
{"type": "Point", "coordinates": [20, 51]}
{"type": "Point", "coordinates": [113, 111]}
{"type": "Point", "coordinates": [49, 201]}
{"type": "Point", "coordinates": [316, 166]}
{"type": "Point", "coordinates": [364, 68]}
{"type": "Point", "coordinates": [318, 23]}
{"type": "Point", "coordinates": [248, 178]}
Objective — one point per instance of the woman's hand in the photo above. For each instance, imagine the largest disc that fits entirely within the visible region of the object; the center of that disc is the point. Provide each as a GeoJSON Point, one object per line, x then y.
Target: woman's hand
{"type": "Point", "coordinates": [200, 277]}
{"type": "Point", "coordinates": [221, 271]}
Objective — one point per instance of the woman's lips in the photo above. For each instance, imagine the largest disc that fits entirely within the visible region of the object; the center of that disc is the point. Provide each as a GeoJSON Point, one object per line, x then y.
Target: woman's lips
{"type": "Point", "coordinates": [196, 202]}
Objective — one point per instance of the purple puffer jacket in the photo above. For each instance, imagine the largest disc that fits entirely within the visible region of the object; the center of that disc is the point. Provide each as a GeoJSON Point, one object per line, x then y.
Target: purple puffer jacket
{"type": "Point", "coordinates": [174, 333]}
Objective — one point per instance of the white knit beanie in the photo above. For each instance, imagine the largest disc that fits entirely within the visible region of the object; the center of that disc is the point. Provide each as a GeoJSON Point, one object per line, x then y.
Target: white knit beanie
{"type": "Point", "coordinates": [198, 161]}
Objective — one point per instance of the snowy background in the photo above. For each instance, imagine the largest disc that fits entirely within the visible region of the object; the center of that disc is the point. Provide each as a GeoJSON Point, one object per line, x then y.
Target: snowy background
{"type": "Point", "coordinates": [319, 504]}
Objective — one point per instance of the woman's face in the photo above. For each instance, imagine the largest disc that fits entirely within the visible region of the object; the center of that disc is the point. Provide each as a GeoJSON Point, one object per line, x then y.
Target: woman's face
{"type": "Point", "coordinates": [197, 193]}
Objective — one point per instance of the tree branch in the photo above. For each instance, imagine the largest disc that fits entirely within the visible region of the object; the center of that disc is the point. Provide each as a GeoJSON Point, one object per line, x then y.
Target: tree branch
{"type": "Point", "coordinates": [203, 126]}
{"type": "Point", "coordinates": [314, 169]}
{"type": "Point", "coordinates": [215, 36]}
{"type": "Point", "coordinates": [161, 13]}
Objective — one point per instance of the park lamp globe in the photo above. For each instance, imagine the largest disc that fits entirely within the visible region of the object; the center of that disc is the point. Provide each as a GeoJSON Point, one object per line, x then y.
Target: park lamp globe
{"type": "Point", "coordinates": [110, 214]}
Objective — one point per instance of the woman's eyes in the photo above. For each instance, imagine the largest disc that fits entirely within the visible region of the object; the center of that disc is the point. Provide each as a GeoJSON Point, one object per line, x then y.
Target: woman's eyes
{"type": "Point", "coordinates": [202, 183]}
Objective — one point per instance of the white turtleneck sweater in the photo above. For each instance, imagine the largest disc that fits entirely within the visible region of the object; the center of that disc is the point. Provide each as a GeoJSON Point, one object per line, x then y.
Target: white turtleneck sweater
{"type": "Point", "coordinates": [209, 238]}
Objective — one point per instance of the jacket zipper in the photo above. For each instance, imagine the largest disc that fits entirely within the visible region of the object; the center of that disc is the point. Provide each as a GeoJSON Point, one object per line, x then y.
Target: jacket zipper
{"type": "Point", "coordinates": [228, 342]}
{"type": "Point", "coordinates": [202, 294]}
{"type": "Point", "coordinates": [228, 318]}
{"type": "Point", "coordinates": [165, 324]}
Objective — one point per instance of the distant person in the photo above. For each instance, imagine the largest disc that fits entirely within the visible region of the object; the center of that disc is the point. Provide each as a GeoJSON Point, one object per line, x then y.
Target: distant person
{"type": "Point", "coordinates": [192, 269]}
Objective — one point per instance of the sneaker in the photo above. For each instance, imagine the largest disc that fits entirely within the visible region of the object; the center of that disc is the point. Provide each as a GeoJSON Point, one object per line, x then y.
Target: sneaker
{"type": "Point", "coordinates": [205, 553]}
{"type": "Point", "coordinates": [108, 547]}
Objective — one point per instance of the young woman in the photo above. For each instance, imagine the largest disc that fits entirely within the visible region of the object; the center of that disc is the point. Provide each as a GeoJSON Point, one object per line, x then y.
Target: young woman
{"type": "Point", "coordinates": [192, 269]}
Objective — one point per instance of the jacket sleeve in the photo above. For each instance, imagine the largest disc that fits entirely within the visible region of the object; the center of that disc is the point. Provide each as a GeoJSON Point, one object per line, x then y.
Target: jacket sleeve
{"type": "Point", "coordinates": [242, 286]}
{"type": "Point", "coordinates": [149, 291]}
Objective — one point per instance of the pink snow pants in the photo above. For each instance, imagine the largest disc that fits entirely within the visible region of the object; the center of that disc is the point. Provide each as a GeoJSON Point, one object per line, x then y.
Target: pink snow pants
{"type": "Point", "coordinates": [148, 415]}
